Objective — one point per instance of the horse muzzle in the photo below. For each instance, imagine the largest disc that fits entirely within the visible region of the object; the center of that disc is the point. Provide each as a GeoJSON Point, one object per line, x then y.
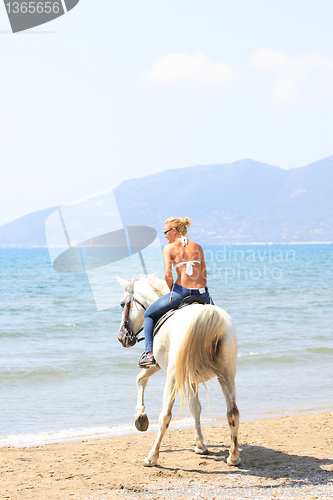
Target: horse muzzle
{"type": "Point", "coordinates": [126, 337]}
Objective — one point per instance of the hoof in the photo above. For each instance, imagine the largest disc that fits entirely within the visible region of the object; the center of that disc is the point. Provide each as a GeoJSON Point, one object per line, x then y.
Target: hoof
{"type": "Point", "coordinates": [233, 463]}
{"type": "Point", "coordinates": [148, 463]}
{"type": "Point", "coordinates": [201, 451]}
{"type": "Point", "coordinates": [142, 422]}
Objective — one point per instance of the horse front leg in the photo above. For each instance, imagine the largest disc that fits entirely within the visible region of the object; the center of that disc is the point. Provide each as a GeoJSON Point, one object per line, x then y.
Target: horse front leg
{"type": "Point", "coordinates": [195, 407]}
{"type": "Point", "coordinates": [164, 421]}
{"type": "Point", "coordinates": [228, 387]}
{"type": "Point", "coordinates": [141, 419]}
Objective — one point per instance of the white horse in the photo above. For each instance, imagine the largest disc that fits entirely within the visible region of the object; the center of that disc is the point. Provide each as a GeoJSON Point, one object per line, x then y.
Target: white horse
{"type": "Point", "coordinates": [196, 344]}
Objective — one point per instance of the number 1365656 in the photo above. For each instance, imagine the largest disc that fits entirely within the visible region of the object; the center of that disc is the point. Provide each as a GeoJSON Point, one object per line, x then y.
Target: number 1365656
{"type": "Point", "coordinates": [33, 7]}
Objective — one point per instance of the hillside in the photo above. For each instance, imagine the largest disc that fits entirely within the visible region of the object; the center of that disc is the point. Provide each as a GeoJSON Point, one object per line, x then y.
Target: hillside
{"type": "Point", "coordinates": [242, 202]}
{"type": "Point", "coordinates": [26, 232]}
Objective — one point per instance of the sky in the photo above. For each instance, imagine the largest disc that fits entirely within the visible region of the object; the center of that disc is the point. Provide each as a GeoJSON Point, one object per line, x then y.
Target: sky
{"type": "Point", "coordinates": [120, 89]}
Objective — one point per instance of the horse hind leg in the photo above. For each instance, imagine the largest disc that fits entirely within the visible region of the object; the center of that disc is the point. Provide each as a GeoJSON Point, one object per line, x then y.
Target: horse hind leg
{"type": "Point", "coordinates": [195, 407]}
{"type": "Point", "coordinates": [228, 388]}
{"type": "Point", "coordinates": [233, 420]}
{"type": "Point", "coordinates": [141, 418]}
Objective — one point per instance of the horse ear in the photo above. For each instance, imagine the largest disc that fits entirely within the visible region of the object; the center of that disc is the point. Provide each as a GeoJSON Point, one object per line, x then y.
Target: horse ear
{"type": "Point", "coordinates": [122, 282]}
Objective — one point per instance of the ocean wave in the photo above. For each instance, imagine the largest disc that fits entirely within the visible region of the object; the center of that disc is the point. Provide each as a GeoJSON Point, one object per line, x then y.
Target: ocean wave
{"type": "Point", "coordinates": [40, 438]}
{"type": "Point", "coordinates": [267, 359]}
{"type": "Point", "coordinates": [249, 354]}
{"type": "Point", "coordinates": [68, 371]}
{"type": "Point", "coordinates": [14, 334]}
{"type": "Point", "coordinates": [272, 358]}
{"type": "Point", "coordinates": [279, 356]}
{"type": "Point", "coordinates": [321, 350]}
{"type": "Point", "coordinates": [89, 433]}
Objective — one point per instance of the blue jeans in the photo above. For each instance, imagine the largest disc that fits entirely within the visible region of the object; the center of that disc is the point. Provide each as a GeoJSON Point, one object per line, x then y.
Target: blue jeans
{"type": "Point", "coordinates": [166, 303]}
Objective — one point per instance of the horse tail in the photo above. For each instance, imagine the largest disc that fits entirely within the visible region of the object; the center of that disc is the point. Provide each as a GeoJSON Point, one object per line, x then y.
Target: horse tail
{"type": "Point", "coordinates": [198, 351]}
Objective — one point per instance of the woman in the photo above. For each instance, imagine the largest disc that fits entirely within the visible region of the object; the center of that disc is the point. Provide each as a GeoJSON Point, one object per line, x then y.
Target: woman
{"type": "Point", "coordinates": [187, 258]}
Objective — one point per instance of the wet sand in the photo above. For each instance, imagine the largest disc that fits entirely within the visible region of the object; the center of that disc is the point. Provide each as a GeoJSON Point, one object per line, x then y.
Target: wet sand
{"type": "Point", "coordinates": [286, 457]}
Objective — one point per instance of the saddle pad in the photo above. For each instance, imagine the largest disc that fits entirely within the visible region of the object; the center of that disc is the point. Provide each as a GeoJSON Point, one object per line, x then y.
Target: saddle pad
{"type": "Point", "coordinates": [163, 319]}
{"type": "Point", "coordinates": [185, 302]}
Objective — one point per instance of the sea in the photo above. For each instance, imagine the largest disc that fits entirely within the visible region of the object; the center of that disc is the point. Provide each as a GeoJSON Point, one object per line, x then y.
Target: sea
{"type": "Point", "coordinates": [64, 375]}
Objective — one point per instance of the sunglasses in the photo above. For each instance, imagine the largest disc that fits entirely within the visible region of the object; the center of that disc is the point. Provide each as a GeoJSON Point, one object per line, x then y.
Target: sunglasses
{"type": "Point", "coordinates": [165, 232]}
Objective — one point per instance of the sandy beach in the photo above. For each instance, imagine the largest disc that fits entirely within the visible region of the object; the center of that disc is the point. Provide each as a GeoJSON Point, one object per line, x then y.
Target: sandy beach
{"type": "Point", "coordinates": [286, 457]}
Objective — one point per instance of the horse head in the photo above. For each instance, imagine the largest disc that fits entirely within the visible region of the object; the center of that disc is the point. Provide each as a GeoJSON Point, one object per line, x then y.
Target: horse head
{"type": "Point", "coordinates": [132, 313]}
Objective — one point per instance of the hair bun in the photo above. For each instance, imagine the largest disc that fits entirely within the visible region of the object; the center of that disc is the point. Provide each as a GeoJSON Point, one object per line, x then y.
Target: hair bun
{"type": "Point", "coordinates": [186, 221]}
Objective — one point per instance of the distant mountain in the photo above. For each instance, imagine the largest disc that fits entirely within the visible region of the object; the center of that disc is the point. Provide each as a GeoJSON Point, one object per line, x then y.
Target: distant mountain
{"type": "Point", "coordinates": [242, 202]}
{"type": "Point", "coordinates": [27, 231]}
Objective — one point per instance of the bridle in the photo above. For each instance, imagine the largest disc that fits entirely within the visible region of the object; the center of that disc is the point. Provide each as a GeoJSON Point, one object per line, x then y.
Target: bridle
{"type": "Point", "coordinates": [130, 337]}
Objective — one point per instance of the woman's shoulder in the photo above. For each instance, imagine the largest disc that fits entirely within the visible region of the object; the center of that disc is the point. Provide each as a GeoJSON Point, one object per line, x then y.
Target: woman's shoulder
{"type": "Point", "coordinates": [166, 248]}
{"type": "Point", "coordinates": [194, 244]}
{"type": "Point", "coordinates": [169, 248]}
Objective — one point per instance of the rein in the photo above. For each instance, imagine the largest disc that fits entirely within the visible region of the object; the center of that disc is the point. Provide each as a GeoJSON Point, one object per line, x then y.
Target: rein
{"type": "Point", "coordinates": [130, 336]}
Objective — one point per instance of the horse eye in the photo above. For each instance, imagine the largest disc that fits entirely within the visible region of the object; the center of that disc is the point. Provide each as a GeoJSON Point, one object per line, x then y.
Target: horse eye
{"type": "Point", "coordinates": [122, 304]}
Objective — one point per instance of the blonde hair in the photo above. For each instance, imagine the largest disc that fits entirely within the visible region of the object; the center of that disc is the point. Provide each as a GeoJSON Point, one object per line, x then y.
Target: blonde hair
{"type": "Point", "coordinates": [180, 224]}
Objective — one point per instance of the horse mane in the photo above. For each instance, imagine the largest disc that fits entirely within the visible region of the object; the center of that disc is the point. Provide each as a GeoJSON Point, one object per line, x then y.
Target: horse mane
{"type": "Point", "coordinates": [160, 286]}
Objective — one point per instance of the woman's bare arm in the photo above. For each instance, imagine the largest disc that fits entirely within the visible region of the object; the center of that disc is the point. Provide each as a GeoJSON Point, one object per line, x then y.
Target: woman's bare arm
{"type": "Point", "coordinates": [168, 266]}
{"type": "Point", "coordinates": [203, 267]}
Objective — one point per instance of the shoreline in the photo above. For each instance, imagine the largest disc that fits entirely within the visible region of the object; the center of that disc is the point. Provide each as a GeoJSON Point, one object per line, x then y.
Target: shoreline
{"type": "Point", "coordinates": [205, 244]}
{"type": "Point", "coordinates": [277, 455]}
{"type": "Point", "coordinates": [74, 435]}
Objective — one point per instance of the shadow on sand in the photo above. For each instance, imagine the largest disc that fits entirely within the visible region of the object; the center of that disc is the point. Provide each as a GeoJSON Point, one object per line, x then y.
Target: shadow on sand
{"type": "Point", "coordinates": [266, 463]}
